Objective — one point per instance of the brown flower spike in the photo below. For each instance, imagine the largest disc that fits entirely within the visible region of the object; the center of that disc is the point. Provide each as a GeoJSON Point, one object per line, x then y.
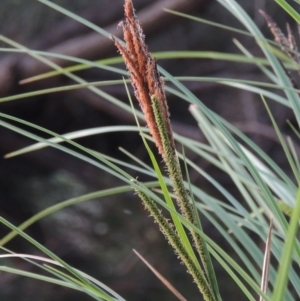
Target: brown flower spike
{"type": "Point", "coordinates": [287, 44]}
{"type": "Point", "coordinates": [145, 78]}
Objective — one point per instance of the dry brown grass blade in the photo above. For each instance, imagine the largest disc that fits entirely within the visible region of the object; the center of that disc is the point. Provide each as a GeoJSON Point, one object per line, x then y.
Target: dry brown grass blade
{"type": "Point", "coordinates": [160, 277]}
{"type": "Point", "coordinates": [266, 264]}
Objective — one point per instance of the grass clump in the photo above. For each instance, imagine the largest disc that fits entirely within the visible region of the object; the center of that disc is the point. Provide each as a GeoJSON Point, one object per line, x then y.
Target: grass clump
{"type": "Point", "coordinates": [265, 189]}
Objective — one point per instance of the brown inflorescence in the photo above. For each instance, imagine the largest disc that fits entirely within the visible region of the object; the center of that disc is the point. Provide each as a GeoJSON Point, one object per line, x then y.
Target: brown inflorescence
{"type": "Point", "coordinates": [145, 78]}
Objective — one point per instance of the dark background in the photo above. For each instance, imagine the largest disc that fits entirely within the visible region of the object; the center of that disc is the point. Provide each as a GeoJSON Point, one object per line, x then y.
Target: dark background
{"type": "Point", "coordinates": [98, 236]}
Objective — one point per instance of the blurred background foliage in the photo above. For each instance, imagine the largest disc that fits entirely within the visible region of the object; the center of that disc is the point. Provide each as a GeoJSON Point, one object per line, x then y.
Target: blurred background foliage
{"type": "Point", "coordinates": [98, 236]}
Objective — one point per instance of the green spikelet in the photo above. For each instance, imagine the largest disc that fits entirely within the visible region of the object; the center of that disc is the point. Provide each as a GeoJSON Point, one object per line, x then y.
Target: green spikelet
{"type": "Point", "coordinates": [172, 163]}
{"type": "Point", "coordinates": [174, 240]}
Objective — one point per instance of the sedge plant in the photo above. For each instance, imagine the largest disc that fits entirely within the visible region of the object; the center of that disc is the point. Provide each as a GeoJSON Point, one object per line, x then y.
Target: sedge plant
{"type": "Point", "coordinates": [265, 189]}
